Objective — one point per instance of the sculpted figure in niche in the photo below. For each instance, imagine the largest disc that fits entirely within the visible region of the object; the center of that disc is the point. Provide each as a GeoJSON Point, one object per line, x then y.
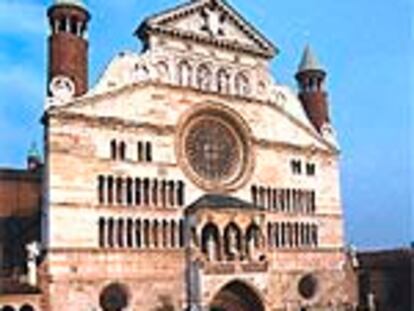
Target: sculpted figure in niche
{"type": "Point", "coordinates": [253, 242]}
{"type": "Point", "coordinates": [211, 249]}
{"type": "Point", "coordinates": [251, 247]}
{"type": "Point", "coordinates": [232, 237]}
{"type": "Point", "coordinates": [233, 242]}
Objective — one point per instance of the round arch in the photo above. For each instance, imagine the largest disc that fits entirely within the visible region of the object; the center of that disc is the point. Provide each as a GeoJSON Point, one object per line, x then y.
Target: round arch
{"type": "Point", "coordinates": [237, 296]}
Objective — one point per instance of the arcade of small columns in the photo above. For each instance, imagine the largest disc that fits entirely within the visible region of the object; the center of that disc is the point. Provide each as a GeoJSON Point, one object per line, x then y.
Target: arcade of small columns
{"type": "Point", "coordinates": [231, 242]}
{"type": "Point", "coordinates": [128, 191]}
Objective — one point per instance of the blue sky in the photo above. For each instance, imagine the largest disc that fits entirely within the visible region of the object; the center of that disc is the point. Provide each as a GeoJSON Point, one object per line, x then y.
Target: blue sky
{"type": "Point", "coordinates": [365, 45]}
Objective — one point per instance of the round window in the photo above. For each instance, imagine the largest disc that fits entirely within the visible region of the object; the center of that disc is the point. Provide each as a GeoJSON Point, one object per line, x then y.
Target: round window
{"type": "Point", "coordinates": [308, 286]}
{"type": "Point", "coordinates": [214, 150]}
{"type": "Point", "coordinates": [114, 297]}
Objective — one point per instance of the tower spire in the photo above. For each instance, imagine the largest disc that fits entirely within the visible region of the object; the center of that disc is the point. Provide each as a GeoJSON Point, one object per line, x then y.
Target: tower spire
{"type": "Point", "coordinates": [34, 159]}
{"type": "Point", "coordinates": [311, 77]}
{"type": "Point", "coordinates": [309, 61]}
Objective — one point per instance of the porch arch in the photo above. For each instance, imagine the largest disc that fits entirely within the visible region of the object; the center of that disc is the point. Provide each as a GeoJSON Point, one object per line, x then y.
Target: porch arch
{"type": "Point", "coordinates": [237, 296]}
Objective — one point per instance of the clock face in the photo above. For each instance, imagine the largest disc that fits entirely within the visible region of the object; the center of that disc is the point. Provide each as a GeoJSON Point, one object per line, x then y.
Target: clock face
{"type": "Point", "coordinates": [214, 150]}
{"type": "Point", "coordinates": [62, 87]}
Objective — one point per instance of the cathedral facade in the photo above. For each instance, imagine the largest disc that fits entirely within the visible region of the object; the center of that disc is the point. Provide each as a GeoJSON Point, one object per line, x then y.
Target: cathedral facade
{"type": "Point", "coordinates": [187, 178]}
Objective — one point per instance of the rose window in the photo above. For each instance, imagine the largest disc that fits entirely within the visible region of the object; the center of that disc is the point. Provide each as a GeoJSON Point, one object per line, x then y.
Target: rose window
{"type": "Point", "coordinates": [214, 150]}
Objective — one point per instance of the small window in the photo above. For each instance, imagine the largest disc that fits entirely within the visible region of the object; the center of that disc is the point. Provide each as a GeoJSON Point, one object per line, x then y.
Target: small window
{"type": "Point", "coordinates": [148, 152]}
{"type": "Point", "coordinates": [114, 153]}
{"type": "Point", "coordinates": [310, 169]}
{"type": "Point", "coordinates": [62, 25]}
{"type": "Point", "coordinates": [74, 27]}
{"type": "Point", "coordinates": [296, 166]}
{"type": "Point", "coordinates": [122, 151]}
{"type": "Point", "coordinates": [140, 151]}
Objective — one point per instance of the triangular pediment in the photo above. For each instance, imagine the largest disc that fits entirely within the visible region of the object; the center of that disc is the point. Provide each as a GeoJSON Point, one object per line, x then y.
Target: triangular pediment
{"type": "Point", "coordinates": [209, 21]}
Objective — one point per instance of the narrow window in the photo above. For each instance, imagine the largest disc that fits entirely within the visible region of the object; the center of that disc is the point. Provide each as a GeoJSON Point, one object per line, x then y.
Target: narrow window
{"type": "Point", "coordinates": [146, 191]}
{"type": "Point", "coordinates": [181, 193]}
{"type": "Point", "coordinates": [122, 151]}
{"type": "Point", "coordinates": [275, 199]}
{"type": "Point", "coordinates": [165, 234]}
{"type": "Point", "coordinates": [289, 234]}
{"type": "Point", "coordinates": [164, 193]}
{"type": "Point", "coordinates": [114, 153]}
{"type": "Point", "coordinates": [296, 166]}
{"type": "Point", "coordinates": [147, 233]}
{"type": "Point", "coordinates": [140, 152]}
{"type": "Point", "coordinates": [130, 233]}
{"type": "Point", "coordinates": [296, 234]}
{"type": "Point", "coordinates": [155, 233]}
{"type": "Point", "coordinates": [171, 191]}
{"type": "Point", "coordinates": [138, 236]}
{"type": "Point", "coordinates": [173, 234]}
{"type": "Point", "coordinates": [119, 190]}
{"type": "Point", "coordinates": [302, 235]}
{"type": "Point", "coordinates": [262, 197]}
{"type": "Point", "coordinates": [313, 202]}
{"type": "Point", "coordinates": [310, 169]}
{"type": "Point", "coordinates": [181, 233]}
{"type": "Point", "coordinates": [148, 152]}
{"type": "Point", "coordinates": [110, 190]}
{"type": "Point", "coordinates": [277, 235]}
{"type": "Point", "coordinates": [282, 200]}
{"type": "Point", "coordinates": [111, 233]}
{"type": "Point", "coordinates": [129, 191]}
{"type": "Point", "coordinates": [138, 192]}
{"type": "Point", "coordinates": [269, 198]}
{"type": "Point", "coordinates": [254, 195]}
{"type": "Point", "coordinates": [315, 241]}
{"type": "Point", "coordinates": [62, 25]}
{"type": "Point", "coordinates": [288, 201]}
{"type": "Point", "coordinates": [155, 192]}
{"type": "Point", "coordinates": [270, 235]}
{"type": "Point", "coordinates": [101, 189]}
{"type": "Point", "coordinates": [307, 235]}
{"type": "Point", "coordinates": [120, 233]}
{"type": "Point", "coordinates": [102, 232]}
{"type": "Point", "coordinates": [294, 200]}
{"type": "Point", "coordinates": [283, 235]}
{"type": "Point", "coordinates": [73, 27]}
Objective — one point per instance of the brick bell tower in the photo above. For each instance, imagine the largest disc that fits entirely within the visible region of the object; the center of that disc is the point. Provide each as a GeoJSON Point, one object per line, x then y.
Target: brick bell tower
{"type": "Point", "coordinates": [311, 78]}
{"type": "Point", "coordinates": [68, 44]}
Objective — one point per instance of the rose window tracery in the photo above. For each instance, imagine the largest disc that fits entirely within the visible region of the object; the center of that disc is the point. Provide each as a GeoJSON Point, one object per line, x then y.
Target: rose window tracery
{"type": "Point", "coordinates": [214, 150]}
